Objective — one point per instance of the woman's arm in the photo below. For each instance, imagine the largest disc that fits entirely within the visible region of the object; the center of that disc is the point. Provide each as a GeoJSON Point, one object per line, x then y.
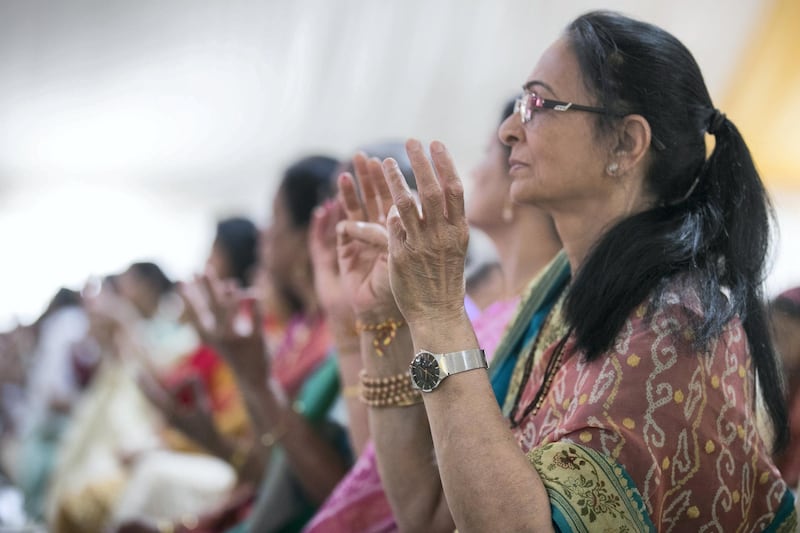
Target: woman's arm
{"type": "Point", "coordinates": [487, 480]}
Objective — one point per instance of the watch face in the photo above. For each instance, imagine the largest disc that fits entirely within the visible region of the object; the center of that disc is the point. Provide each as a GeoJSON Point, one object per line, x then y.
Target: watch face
{"type": "Point", "coordinates": [425, 371]}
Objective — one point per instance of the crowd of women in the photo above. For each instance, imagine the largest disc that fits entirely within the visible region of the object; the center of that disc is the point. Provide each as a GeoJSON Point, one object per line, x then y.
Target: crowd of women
{"type": "Point", "coordinates": [608, 364]}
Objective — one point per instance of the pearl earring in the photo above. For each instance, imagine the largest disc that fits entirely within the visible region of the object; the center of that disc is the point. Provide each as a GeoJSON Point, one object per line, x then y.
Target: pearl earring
{"type": "Point", "coordinates": [612, 168]}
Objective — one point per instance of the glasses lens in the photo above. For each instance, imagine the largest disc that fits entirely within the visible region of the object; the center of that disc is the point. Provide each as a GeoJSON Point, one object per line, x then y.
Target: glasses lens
{"type": "Point", "coordinates": [525, 105]}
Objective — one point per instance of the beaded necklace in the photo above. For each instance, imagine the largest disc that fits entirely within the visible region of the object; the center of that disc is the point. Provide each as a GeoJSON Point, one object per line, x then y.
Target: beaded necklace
{"type": "Point", "coordinates": [553, 365]}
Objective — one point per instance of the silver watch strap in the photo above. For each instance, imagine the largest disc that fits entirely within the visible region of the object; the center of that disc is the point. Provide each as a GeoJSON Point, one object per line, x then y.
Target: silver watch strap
{"type": "Point", "coordinates": [455, 362]}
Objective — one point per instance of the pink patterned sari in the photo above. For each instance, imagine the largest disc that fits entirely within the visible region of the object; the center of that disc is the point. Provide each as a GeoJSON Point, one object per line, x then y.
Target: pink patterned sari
{"type": "Point", "coordinates": [656, 435]}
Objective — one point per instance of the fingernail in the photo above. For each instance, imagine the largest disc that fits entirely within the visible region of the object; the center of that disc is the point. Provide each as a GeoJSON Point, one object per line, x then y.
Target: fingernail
{"type": "Point", "coordinates": [340, 228]}
{"type": "Point", "coordinates": [389, 163]}
{"type": "Point", "coordinates": [437, 147]}
{"type": "Point", "coordinates": [393, 212]}
{"type": "Point", "coordinates": [413, 144]}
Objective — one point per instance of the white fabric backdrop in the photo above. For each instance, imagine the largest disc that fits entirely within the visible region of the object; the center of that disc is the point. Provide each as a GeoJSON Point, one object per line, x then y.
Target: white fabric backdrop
{"type": "Point", "coordinates": [127, 127]}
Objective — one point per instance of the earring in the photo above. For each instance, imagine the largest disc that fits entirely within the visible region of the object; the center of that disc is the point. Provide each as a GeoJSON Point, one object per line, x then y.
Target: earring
{"type": "Point", "coordinates": [612, 168]}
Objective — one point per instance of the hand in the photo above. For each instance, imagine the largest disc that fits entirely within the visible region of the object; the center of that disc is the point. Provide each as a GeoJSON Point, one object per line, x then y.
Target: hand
{"type": "Point", "coordinates": [215, 310]}
{"type": "Point", "coordinates": [427, 250]}
{"type": "Point", "coordinates": [362, 244]}
{"type": "Point", "coordinates": [191, 416]}
{"type": "Point", "coordinates": [331, 293]}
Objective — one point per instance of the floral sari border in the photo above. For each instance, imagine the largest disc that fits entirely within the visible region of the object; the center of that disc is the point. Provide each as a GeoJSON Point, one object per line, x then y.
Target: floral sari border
{"type": "Point", "coordinates": [587, 491]}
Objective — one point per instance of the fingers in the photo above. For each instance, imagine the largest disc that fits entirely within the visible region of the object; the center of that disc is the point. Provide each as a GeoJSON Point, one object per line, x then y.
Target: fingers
{"type": "Point", "coordinates": [348, 197]}
{"type": "Point", "coordinates": [369, 193]}
{"type": "Point", "coordinates": [382, 191]}
{"type": "Point", "coordinates": [371, 233]}
{"type": "Point", "coordinates": [430, 192]}
{"type": "Point", "coordinates": [451, 186]}
{"type": "Point", "coordinates": [404, 203]}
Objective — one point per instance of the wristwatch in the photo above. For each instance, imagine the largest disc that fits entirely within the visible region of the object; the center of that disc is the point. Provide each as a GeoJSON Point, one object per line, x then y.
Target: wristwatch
{"type": "Point", "coordinates": [429, 369]}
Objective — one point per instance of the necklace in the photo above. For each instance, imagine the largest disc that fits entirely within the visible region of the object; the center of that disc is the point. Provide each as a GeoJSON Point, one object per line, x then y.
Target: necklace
{"type": "Point", "coordinates": [553, 365]}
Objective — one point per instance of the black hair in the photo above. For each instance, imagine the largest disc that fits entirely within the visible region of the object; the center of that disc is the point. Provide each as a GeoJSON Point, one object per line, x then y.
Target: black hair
{"type": "Point", "coordinates": [711, 224]}
{"type": "Point", "coordinates": [152, 274]}
{"type": "Point", "coordinates": [238, 239]}
{"type": "Point", "coordinates": [306, 184]}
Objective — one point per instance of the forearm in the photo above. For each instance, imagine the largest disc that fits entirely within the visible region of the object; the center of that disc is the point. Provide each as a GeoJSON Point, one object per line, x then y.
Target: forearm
{"type": "Point", "coordinates": [349, 368]}
{"type": "Point", "coordinates": [317, 464]}
{"type": "Point", "coordinates": [404, 447]}
{"type": "Point", "coordinates": [475, 448]}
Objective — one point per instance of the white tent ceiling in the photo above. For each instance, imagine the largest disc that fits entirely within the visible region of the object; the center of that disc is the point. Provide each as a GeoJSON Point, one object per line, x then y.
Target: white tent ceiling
{"type": "Point", "coordinates": [125, 127]}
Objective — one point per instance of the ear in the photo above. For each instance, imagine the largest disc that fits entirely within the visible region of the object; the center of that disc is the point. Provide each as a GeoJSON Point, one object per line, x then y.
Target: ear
{"type": "Point", "coordinates": [632, 142]}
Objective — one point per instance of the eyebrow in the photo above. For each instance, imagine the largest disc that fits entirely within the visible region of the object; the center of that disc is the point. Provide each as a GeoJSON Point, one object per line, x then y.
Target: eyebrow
{"type": "Point", "coordinates": [533, 83]}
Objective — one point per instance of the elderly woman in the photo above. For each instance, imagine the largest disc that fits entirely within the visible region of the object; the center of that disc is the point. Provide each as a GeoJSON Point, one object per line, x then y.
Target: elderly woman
{"type": "Point", "coordinates": [630, 404]}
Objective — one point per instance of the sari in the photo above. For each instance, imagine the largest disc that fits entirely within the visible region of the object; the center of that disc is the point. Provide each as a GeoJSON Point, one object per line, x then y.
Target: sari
{"type": "Point", "coordinates": [359, 503]}
{"type": "Point", "coordinates": [658, 434]}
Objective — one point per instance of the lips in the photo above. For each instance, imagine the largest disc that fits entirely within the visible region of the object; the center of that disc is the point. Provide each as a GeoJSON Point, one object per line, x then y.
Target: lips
{"type": "Point", "coordinates": [515, 164]}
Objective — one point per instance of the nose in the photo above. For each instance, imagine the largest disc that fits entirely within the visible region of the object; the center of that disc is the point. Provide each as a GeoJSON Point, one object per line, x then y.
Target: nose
{"type": "Point", "coordinates": [511, 130]}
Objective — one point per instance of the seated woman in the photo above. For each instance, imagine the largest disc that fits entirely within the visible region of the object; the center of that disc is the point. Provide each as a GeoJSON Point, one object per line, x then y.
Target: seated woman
{"type": "Point", "coordinates": [631, 401]}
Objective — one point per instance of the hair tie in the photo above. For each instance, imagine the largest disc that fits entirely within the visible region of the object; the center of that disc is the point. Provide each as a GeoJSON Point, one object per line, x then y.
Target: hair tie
{"type": "Point", "coordinates": [715, 121]}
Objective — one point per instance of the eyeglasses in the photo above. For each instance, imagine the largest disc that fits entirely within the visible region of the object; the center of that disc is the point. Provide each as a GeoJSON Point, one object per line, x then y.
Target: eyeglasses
{"type": "Point", "coordinates": [529, 101]}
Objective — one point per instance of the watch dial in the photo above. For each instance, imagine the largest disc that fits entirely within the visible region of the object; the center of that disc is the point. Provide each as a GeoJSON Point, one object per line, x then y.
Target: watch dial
{"type": "Point", "coordinates": [425, 371]}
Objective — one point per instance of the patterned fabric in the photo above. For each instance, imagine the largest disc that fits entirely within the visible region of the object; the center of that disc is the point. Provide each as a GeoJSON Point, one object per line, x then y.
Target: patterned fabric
{"type": "Point", "coordinates": [587, 491]}
{"type": "Point", "coordinates": [677, 418]}
{"type": "Point", "coordinates": [305, 344]}
{"type": "Point", "coordinates": [358, 502]}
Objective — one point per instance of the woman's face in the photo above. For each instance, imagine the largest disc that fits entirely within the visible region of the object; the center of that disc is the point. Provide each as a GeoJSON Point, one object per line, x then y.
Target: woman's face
{"type": "Point", "coordinates": [556, 159]}
{"type": "Point", "coordinates": [284, 247]}
{"type": "Point", "coordinates": [218, 261]}
{"type": "Point", "coordinates": [490, 186]}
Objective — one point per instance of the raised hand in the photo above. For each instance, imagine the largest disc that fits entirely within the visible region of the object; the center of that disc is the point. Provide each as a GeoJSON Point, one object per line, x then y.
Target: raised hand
{"type": "Point", "coordinates": [186, 408]}
{"type": "Point", "coordinates": [229, 320]}
{"type": "Point", "coordinates": [427, 249]}
{"type": "Point", "coordinates": [363, 242]}
{"type": "Point", "coordinates": [332, 294]}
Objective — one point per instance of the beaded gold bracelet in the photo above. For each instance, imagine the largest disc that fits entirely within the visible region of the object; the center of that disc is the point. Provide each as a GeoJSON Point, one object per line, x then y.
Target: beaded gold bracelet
{"type": "Point", "coordinates": [389, 391]}
{"type": "Point", "coordinates": [385, 333]}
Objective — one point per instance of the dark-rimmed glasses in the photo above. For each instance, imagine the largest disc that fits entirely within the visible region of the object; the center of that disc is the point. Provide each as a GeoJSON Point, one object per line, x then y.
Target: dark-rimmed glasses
{"type": "Point", "coordinates": [529, 101]}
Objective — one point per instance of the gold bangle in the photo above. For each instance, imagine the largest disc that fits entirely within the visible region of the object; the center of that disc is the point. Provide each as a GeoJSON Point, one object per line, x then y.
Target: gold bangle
{"type": "Point", "coordinates": [389, 391]}
{"type": "Point", "coordinates": [385, 333]}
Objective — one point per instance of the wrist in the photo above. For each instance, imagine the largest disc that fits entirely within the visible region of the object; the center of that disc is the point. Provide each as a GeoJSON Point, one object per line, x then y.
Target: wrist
{"type": "Point", "coordinates": [443, 334]}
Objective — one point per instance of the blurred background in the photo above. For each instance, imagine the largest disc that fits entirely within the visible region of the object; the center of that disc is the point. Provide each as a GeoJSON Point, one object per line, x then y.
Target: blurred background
{"type": "Point", "coordinates": [128, 128]}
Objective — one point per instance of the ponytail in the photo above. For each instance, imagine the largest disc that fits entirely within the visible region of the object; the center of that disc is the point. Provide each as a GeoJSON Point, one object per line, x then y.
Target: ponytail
{"type": "Point", "coordinates": [710, 228]}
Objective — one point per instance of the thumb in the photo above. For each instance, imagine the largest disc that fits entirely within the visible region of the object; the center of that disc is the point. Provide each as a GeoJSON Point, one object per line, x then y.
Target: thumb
{"type": "Point", "coordinates": [366, 232]}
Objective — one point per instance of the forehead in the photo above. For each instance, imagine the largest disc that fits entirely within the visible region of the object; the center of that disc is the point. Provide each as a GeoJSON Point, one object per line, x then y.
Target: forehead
{"type": "Point", "coordinates": [557, 74]}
